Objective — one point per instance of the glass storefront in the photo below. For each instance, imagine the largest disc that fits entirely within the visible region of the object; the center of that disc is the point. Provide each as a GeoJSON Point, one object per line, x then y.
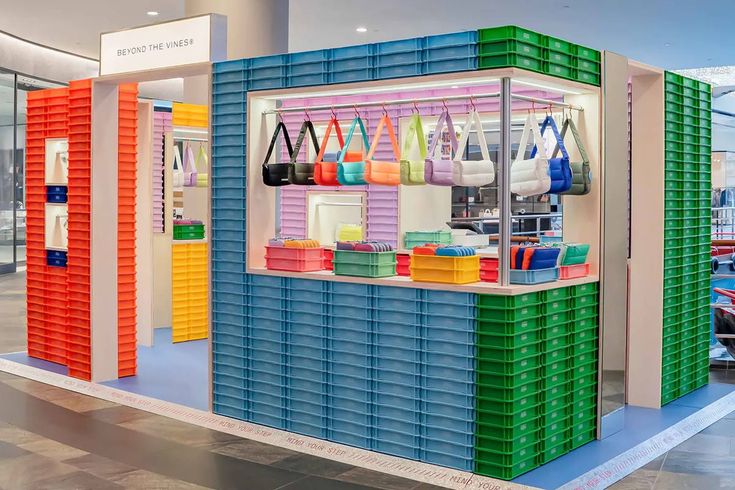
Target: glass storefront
{"type": "Point", "coordinates": [13, 91]}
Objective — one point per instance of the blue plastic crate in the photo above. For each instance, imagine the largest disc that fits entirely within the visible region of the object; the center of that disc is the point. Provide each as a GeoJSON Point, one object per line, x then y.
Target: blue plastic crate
{"type": "Point", "coordinates": [449, 297]}
{"type": "Point", "coordinates": [308, 80]}
{"type": "Point", "coordinates": [228, 303]}
{"type": "Point", "coordinates": [454, 309]}
{"type": "Point", "coordinates": [351, 289]}
{"type": "Point", "coordinates": [264, 334]}
{"type": "Point", "coordinates": [237, 87]}
{"type": "Point", "coordinates": [407, 366]}
{"type": "Point", "coordinates": [341, 311]}
{"type": "Point", "coordinates": [229, 384]}
{"type": "Point", "coordinates": [265, 415]}
{"type": "Point", "coordinates": [400, 46]}
{"type": "Point", "coordinates": [228, 151]}
{"type": "Point", "coordinates": [233, 162]}
{"type": "Point", "coordinates": [408, 342]}
{"type": "Point", "coordinates": [316, 297]}
{"type": "Point", "coordinates": [222, 407]}
{"type": "Point", "coordinates": [312, 68]}
{"type": "Point", "coordinates": [229, 374]}
{"type": "Point", "coordinates": [268, 83]}
{"type": "Point", "coordinates": [266, 372]}
{"type": "Point", "coordinates": [313, 341]}
{"type": "Point", "coordinates": [351, 377]}
{"type": "Point", "coordinates": [463, 413]}
{"type": "Point", "coordinates": [298, 307]}
{"type": "Point", "coordinates": [228, 359]}
{"type": "Point", "coordinates": [306, 407]}
{"type": "Point", "coordinates": [449, 428]}
{"type": "Point", "coordinates": [226, 119]}
{"type": "Point", "coordinates": [308, 425]}
{"type": "Point", "coordinates": [222, 344]}
{"type": "Point", "coordinates": [450, 348]}
{"type": "Point", "coordinates": [461, 383]}
{"type": "Point", "coordinates": [266, 392]}
{"type": "Point", "coordinates": [262, 280]}
{"type": "Point", "coordinates": [388, 352]}
{"type": "Point", "coordinates": [452, 39]}
{"type": "Point", "coordinates": [219, 255]}
{"type": "Point", "coordinates": [396, 328]}
{"type": "Point", "coordinates": [311, 361]}
{"type": "Point", "coordinates": [308, 385]}
{"type": "Point", "coordinates": [398, 59]}
{"type": "Point", "coordinates": [364, 62]}
{"type": "Point", "coordinates": [348, 52]}
{"type": "Point", "coordinates": [55, 262]}
{"type": "Point", "coordinates": [394, 304]}
{"type": "Point", "coordinates": [354, 300]}
{"type": "Point", "coordinates": [309, 56]}
{"type": "Point", "coordinates": [226, 130]}
{"type": "Point", "coordinates": [388, 389]}
{"type": "Point", "coordinates": [534, 276]}
{"type": "Point", "coordinates": [230, 326]}
{"type": "Point", "coordinates": [230, 65]}
{"type": "Point", "coordinates": [450, 65]}
{"type": "Point", "coordinates": [221, 172]}
{"type": "Point", "coordinates": [398, 71]}
{"type": "Point", "coordinates": [404, 317]}
{"type": "Point", "coordinates": [449, 460]}
{"type": "Point", "coordinates": [397, 401]}
{"type": "Point", "coordinates": [348, 438]}
{"type": "Point", "coordinates": [268, 61]}
{"type": "Point", "coordinates": [269, 302]}
{"type": "Point", "coordinates": [360, 337]}
{"type": "Point", "coordinates": [56, 254]}
{"type": "Point", "coordinates": [56, 198]}
{"type": "Point", "coordinates": [395, 449]}
{"type": "Point", "coordinates": [451, 398]}
{"type": "Point", "coordinates": [229, 76]}
{"type": "Point", "coordinates": [306, 285]}
{"type": "Point", "coordinates": [450, 335]}
{"type": "Point", "coordinates": [303, 317]}
{"type": "Point", "coordinates": [229, 140]}
{"type": "Point", "coordinates": [406, 415]}
{"type": "Point", "coordinates": [229, 401]}
{"type": "Point", "coordinates": [306, 329]}
{"type": "Point", "coordinates": [349, 323]}
{"type": "Point", "coordinates": [450, 322]}
{"type": "Point", "coordinates": [264, 317]}
{"type": "Point", "coordinates": [400, 433]}
{"type": "Point", "coordinates": [347, 76]}
{"type": "Point", "coordinates": [407, 294]}
{"type": "Point", "coordinates": [440, 371]}
{"type": "Point", "coordinates": [305, 351]}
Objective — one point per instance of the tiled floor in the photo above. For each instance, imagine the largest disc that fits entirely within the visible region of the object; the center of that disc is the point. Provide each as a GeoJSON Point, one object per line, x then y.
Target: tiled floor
{"type": "Point", "coordinates": [703, 462]}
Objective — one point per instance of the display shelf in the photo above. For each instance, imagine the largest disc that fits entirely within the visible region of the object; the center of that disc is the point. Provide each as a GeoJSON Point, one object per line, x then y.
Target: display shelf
{"type": "Point", "coordinates": [401, 281]}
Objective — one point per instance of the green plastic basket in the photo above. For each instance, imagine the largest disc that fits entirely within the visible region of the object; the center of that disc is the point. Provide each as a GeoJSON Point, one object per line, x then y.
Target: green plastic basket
{"type": "Point", "coordinates": [364, 264]}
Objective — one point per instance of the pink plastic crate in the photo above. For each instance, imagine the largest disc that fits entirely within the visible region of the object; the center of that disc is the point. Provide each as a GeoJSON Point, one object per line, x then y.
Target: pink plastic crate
{"type": "Point", "coordinates": [574, 271]}
{"type": "Point", "coordinates": [294, 259]}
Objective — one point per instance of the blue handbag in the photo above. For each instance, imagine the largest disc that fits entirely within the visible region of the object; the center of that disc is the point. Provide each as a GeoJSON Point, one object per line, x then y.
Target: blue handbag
{"type": "Point", "coordinates": [559, 169]}
{"type": "Point", "coordinates": [350, 172]}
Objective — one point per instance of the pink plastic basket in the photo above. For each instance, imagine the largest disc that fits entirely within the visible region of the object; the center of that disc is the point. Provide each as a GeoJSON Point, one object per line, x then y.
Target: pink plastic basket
{"type": "Point", "coordinates": [574, 271]}
{"type": "Point", "coordinates": [294, 259]}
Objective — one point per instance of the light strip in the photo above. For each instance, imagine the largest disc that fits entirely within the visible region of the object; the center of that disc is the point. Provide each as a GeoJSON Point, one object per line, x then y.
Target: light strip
{"type": "Point", "coordinates": [546, 87]}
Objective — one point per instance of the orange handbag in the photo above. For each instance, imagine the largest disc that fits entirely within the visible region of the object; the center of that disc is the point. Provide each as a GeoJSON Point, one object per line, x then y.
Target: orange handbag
{"type": "Point", "coordinates": [325, 173]}
{"type": "Point", "coordinates": [381, 172]}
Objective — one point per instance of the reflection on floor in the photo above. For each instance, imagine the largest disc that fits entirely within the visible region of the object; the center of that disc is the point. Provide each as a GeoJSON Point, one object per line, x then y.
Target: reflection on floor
{"type": "Point", "coordinates": [74, 441]}
{"type": "Point", "coordinates": [13, 309]}
{"type": "Point", "coordinates": [176, 373]}
{"type": "Point", "coordinates": [613, 390]}
{"type": "Point", "coordinates": [704, 461]}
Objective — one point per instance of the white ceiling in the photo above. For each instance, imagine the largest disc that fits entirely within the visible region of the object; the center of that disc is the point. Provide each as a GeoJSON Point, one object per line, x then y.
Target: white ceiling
{"type": "Point", "coordinates": [75, 25]}
{"type": "Point", "coordinates": [697, 33]}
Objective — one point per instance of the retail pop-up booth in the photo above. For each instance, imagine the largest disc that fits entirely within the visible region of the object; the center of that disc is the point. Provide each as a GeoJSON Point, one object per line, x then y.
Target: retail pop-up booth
{"type": "Point", "coordinates": [342, 306]}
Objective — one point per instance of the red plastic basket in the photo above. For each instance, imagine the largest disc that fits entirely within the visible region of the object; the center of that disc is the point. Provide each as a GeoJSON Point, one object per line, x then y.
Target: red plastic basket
{"type": "Point", "coordinates": [489, 269]}
{"type": "Point", "coordinates": [403, 263]}
{"type": "Point", "coordinates": [294, 259]}
{"type": "Point", "coordinates": [328, 256]}
{"type": "Point", "coordinates": [574, 271]}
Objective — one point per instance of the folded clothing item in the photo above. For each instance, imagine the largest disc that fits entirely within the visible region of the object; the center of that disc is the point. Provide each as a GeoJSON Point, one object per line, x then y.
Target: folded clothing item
{"type": "Point", "coordinates": [293, 243]}
{"type": "Point", "coordinates": [187, 222]}
{"type": "Point", "coordinates": [533, 257]}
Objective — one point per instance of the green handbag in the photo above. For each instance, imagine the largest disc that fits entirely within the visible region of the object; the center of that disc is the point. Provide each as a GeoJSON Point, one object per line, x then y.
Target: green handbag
{"type": "Point", "coordinates": [573, 253]}
{"type": "Point", "coordinates": [412, 171]}
{"type": "Point", "coordinates": [581, 172]}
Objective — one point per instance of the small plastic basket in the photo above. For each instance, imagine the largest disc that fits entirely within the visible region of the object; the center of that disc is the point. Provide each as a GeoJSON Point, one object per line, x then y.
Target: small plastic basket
{"type": "Point", "coordinates": [364, 264]}
{"type": "Point", "coordinates": [294, 259]}
{"type": "Point", "coordinates": [445, 269]}
{"type": "Point", "coordinates": [417, 238]}
{"type": "Point", "coordinates": [403, 264]}
{"type": "Point", "coordinates": [538, 276]}
{"type": "Point", "coordinates": [188, 232]}
{"type": "Point", "coordinates": [488, 269]}
{"type": "Point", "coordinates": [574, 271]}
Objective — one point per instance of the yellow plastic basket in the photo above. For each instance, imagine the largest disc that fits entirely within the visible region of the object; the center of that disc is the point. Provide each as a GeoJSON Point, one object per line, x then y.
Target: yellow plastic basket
{"type": "Point", "coordinates": [448, 270]}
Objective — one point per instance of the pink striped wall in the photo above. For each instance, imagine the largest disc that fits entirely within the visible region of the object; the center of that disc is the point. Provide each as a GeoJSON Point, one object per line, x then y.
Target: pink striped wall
{"type": "Point", "coordinates": [161, 124]}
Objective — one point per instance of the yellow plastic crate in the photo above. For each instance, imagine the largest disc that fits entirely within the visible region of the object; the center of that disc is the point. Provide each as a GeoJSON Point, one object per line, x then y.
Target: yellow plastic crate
{"type": "Point", "coordinates": [189, 270]}
{"type": "Point", "coordinates": [191, 115]}
{"type": "Point", "coordinates": [448, 270]}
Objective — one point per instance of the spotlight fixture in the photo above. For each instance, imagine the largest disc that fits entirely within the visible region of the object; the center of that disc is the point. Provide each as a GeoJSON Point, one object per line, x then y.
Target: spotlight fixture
{"type": "Point", "coordinates": [152, 13]}
{"type": "Point", "coordinates": [361, 29]}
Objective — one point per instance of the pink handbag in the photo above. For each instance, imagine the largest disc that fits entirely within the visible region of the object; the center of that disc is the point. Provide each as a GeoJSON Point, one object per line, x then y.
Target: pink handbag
{"type": "Point", "coordinates": [190, 173]}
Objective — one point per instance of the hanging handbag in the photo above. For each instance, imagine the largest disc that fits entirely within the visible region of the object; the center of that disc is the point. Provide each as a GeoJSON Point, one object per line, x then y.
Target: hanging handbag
{"type": "Point", "coordinates": [559, 169]}
{"type": "Point", "coordinates": [382, 172]}
{"type": "Point", "coordinates": [190, 173]}
{"type": "Point", "coordinates": [276, 174]}
{"type": "Point", "coordinates": [581, 172]}
{"type": "Point", "coordinates": [202, 167]}
{"type": "Point", "coordinates": [438, 170]}
{"type": "Point", "coordinates": [350, 171]}
{"type": "Point", "coordinates": [177, 172]}
{"type": "Point", "coordinates": [302, 173]}
{"type": "Point", "coordinates": [530, 177]}
{"type": "Point", "coordinates": [473, 173]}
{"type": "Point", "coordinates": [412, 171]}
{"type": "Point", "coordinates": [325, 172]}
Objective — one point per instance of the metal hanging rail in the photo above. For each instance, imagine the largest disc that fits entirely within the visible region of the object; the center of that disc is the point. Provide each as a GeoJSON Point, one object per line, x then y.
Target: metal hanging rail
{"type": "Point", "coordinates": [355, 105]}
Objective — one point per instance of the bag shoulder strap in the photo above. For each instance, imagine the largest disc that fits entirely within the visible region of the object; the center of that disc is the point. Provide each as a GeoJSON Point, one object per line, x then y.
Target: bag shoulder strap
{"type": "Point", "coordinates": [415, 128]}
{"type": "Point", "coordinates": [473, 117]}
{"type": "Point", "coordinates": [549, 122]}
{"type": "Point", "coordinates": [530, 130]}
{"type": "Point", "coordinates": [333, 123]}
{"type": "Point", "coordinates": [355, 122]}
{"type": "Point", "coordinates": [188, 159]}
{"type": "Point", "coordinates": [307, 126]}
{"type": "Point", "coordinates": [444, 118]}
{"type": "Point", "coordinates": [568, 122]}
{"type": "Point", "coordinates": [279, 127]}
{"type": "Point", "coordinates": [201, 157]}
{"type": "Point", "coordinates": [385, 122]}
{"type": "Point", "coordinates": [177, 165]}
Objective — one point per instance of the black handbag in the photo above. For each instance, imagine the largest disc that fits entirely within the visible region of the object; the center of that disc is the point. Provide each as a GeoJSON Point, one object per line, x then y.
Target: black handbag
{"type": "Point", "coordinates": [303, 173]}
{"type": "Point", "coordinates": [276, 174]}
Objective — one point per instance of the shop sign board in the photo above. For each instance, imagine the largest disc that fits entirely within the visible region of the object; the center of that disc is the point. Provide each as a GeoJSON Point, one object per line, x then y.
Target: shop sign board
{"type": "Point", "coordinates": [200, 39]}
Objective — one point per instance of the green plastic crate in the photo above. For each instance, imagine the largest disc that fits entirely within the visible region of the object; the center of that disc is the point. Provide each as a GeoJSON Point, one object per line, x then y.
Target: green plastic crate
{"type": "Point", "coordinates": [524, 312]}
{"type": "Point", "coordinates": [509, 32]}
{"type": "Point", "coordinates": [493, 301]}
{"type": "Point", "coordinates": [507, 355]}
{"type": "Point", "coordinates": [506, 60]}
{"type": "Point", "coordinates": [503, 368]}
{"type": "Point", "coordinates": [188, 232]}
{"type": "Point", "coordinates": [505, 472]}
{"type": "Point", "coordinates": [516, 341]}
{"type": "Point", "coordinates": [507, 459]}
{"type": "Point", "coordinates": [505, 327]}
{"type": "Point", "coordinates": [508, 381]}
{"type": "Point", "coordinates": [588, 53]}
{"type": "Point", "coordinates": [509, 420]}
{"type": "Point", "coordinates": [508, 394]}
{"type": "Point", "coordinates": [503, 407]}
{"type": "Point", "coordinates": [364, 264]}
{"type": "Point", "coordinates": [559, 70]}
{"type": "Point", "coordinates": [510, 46]}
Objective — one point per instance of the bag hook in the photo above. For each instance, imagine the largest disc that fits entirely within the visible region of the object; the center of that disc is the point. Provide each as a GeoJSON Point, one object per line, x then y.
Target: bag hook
{"type": "Point", "coordinates": [306, 115]}
{"type": "Point", "coordinates": [357, 114]}
{"type": "Point", "coordinates": [472, 103]}
{"type": "Point", "coordinates": [444, 104]}
{"type": "Point", "coordinates": [385, 111]}
{"type": "Point", "coordinates": [416, 107]}
{"type": "Point", "coordinates": [279, 116]}
{"type": "Point", "coordinates": [334, 114]}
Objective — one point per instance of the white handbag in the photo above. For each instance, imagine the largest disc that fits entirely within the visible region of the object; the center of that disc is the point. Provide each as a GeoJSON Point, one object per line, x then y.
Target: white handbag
{"type": "Point", "coordinates": [177, 180]}
{"type": "Point", "coordinates": [530, 177]}
{"type": "Point", "coordinates": [473, 173]}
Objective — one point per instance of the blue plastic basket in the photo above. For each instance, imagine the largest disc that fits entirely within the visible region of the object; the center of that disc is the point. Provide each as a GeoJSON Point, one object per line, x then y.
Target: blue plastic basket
{"type": "Point", "coordinates": [534, 276]}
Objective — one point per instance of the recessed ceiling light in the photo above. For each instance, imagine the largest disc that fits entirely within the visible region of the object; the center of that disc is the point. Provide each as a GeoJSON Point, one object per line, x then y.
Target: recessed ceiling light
{"type": "Point", "coordinates": [361, 29]}
{"type": "Point", "coordinates": [455, 86]}
{"type": "Point", "coordinates": [668, 45]}
{"type": "Point", "coordinates": [152, 13]}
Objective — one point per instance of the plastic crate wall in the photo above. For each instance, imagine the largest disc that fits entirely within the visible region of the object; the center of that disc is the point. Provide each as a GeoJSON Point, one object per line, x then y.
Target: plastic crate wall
{"type": "Point", "coordinates": [78, 264]}
{"type": "Point", "coordinates": [161, 125]}
{"type": "Point", "coordinates": [536, 378]}
{"type": "Point", "coordinates": [189, 311]}
{"type": "Point", "coordinates": [127, 159]}
{"type": "Point", "coordinates": [47, 297]}
{"type": "Point", "coordinates": [387, 369]}
{"type": "Point", "coordinates": [687, 236]}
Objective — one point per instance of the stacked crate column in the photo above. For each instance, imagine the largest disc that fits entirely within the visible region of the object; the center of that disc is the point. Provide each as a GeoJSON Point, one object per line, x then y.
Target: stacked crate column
{"type": "Point", "coordinates": [35, 185]}
{"type": "Point", "coordinates": [78, 264]}
{"type": "Point", "coordinates": [190, 309]}
{"type": "Point", "coordinates": [126, 194]}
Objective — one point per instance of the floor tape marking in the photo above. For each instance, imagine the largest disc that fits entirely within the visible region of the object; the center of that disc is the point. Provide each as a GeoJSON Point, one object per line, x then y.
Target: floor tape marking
{"type": "Point", "coordinates": [404, 468]}
{"type": "Point", "coordinates": [634, 458]}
